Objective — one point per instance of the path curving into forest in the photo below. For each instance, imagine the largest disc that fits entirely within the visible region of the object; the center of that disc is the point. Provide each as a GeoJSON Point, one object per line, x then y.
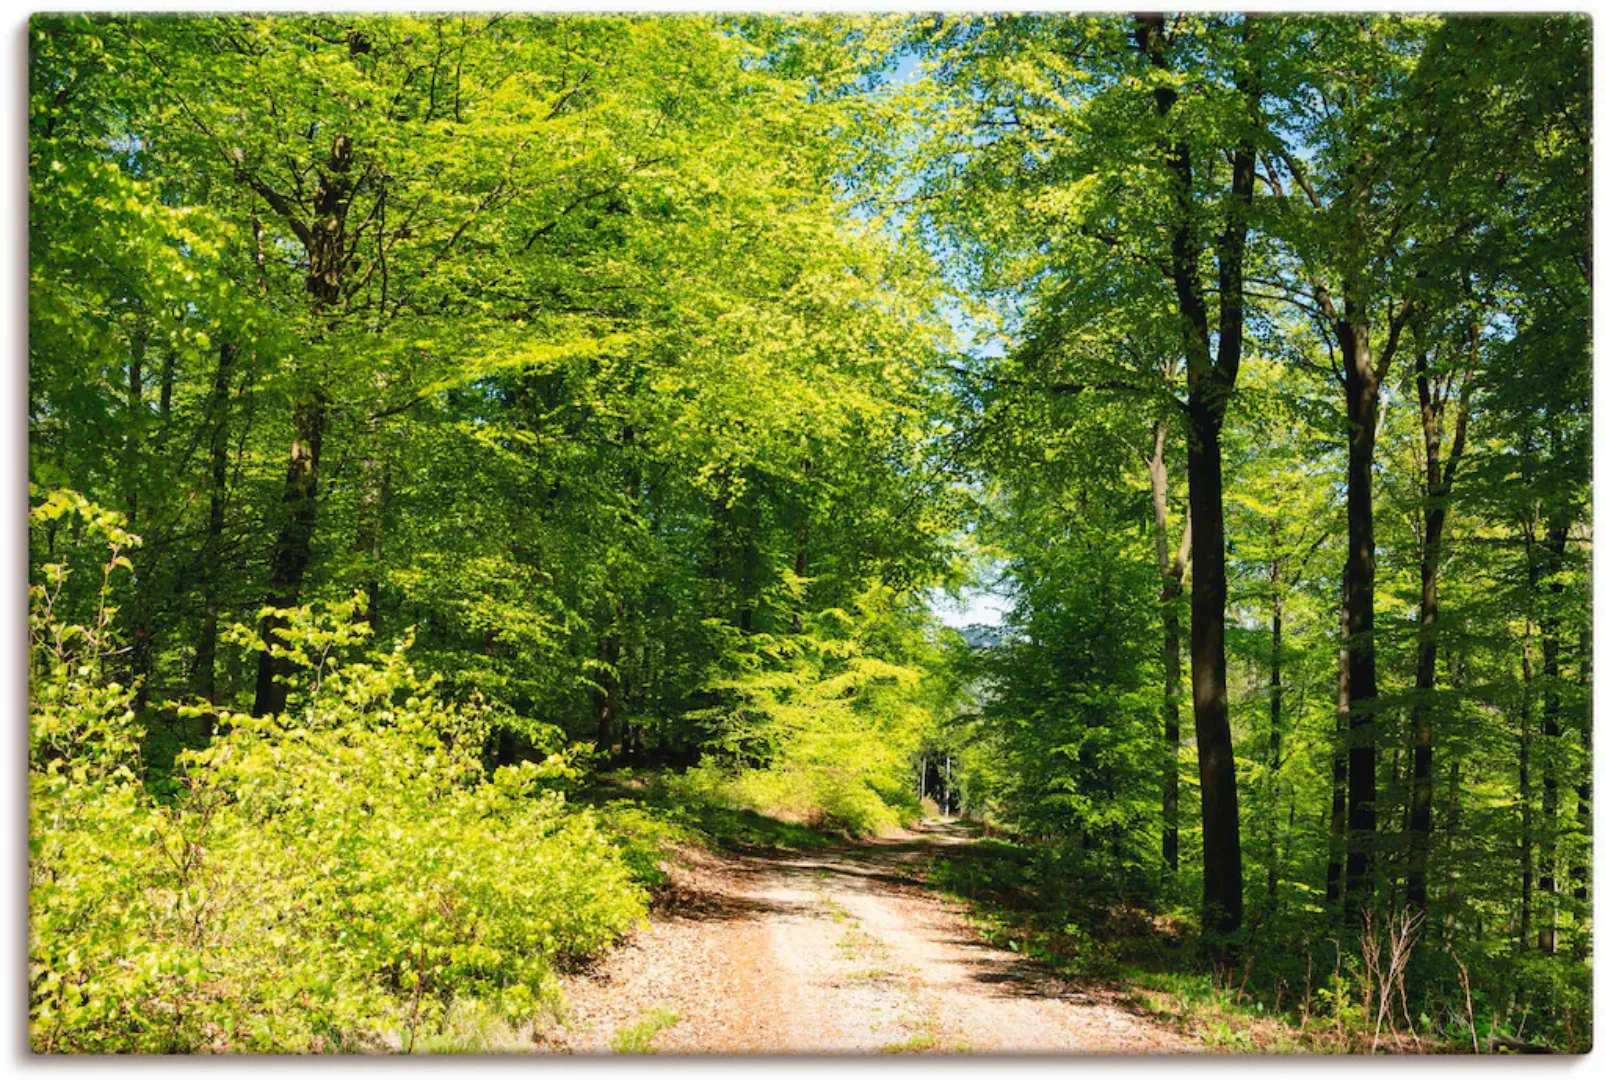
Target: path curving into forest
{"type": "Point", "coordinates": [836, 951]}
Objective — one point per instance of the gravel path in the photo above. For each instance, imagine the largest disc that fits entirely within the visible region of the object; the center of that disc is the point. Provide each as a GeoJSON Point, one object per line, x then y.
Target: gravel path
{"type": "Point", "coordinates": [842, 951]}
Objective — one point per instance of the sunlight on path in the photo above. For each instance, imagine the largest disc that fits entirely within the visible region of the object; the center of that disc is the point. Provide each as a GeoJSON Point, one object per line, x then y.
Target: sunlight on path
{"type": "Point", "coordinates": [842, 951]}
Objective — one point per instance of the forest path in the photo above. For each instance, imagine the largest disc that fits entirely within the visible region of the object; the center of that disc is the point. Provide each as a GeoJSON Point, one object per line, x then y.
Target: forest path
{"type": "Point", "coordinates": [844, 950]}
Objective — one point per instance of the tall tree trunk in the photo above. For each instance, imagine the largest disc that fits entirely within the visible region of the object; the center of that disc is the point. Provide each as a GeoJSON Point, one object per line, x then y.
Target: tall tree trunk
{"type": "Point", "coordinates": [1217, 771]}
{"type": "Point", "coordinates": [138, 612]}
{"type": "Point", "coordinates": [1554, 550]}
{"type": "Point", "coordinates": [1172, 570]}
{"type": "Point", "coordinates": [292, 550]}
{"type": "Point", "coordinates": [1524, 785]}
{"type": "Point", "coordinates": [203, 676]}
{"type": "Point", "coordinates": [1440, 484]}
{"type": "Point", "coordinates": [1338, 822]}
{"type": "Point", "coordinates": [1358, 680]}
{"type": "Point", "coordinates": [1274, 765]}
{"type": "Point", "coordinates": [1210, 382]}
{"type": "Point", "coordinates": [324, 239]}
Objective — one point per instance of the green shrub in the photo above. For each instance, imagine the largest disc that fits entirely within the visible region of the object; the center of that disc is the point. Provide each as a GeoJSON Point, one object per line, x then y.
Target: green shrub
{"type": "Point", "coordinates": [820, 727]}
{"type": "Point", "coordinates": [339, 878]}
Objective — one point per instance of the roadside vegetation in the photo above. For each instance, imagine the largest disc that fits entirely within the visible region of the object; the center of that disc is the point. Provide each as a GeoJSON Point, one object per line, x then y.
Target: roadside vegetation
{"type": "Point", "coordinates": [1052, 906]}
{"type": "Point", "coordinates": [473, 457]}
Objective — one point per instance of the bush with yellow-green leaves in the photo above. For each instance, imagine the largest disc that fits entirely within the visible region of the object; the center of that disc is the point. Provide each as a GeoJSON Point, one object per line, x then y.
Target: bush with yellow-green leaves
{"type": "Point", "coordinates": [345, 877]}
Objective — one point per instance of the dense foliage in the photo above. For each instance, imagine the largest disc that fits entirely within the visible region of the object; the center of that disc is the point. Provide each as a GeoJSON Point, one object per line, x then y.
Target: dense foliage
{"type": "Point", "coordinates": [438, 419]}
{"type": "Point", "coordinates": [555, 342]}
{"type": "Point", "coordinates": [332, 879]}
{"type": "Point", "coordinates": [1341, 266]}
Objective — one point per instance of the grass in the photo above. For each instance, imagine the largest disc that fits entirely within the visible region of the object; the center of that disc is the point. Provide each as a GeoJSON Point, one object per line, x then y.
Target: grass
{"type": "Point", "coordinates": [1059, 914]}
{"type": "Point", "coordinates": [697, 818]}
{"type": "Point", "coordinates": [637, 1037]}
{"type": "Point", "coordinates": [855, 945]}
{"type": "Point", "coordinates": [874, 974]}
{"type": "Point", "coordinates": [922, 1042]}
{"type": "Point", "coordinates": [1221, 1019]}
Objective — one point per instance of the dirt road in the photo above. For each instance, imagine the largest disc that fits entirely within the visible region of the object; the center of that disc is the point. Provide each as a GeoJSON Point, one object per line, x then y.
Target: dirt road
{"type": "Point", "coordinates": [842, 951]}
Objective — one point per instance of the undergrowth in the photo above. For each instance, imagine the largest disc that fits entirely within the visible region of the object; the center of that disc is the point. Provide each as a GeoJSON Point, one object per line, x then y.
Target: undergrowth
{"type": "Point", "coordinates": [347, 876]}
{"type": "Point", "coordinates": [1289, 988]}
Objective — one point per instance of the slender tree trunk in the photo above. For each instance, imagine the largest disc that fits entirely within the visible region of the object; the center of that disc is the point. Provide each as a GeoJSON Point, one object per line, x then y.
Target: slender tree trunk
{"type": "Point", "coordinates": [292, 549]}
{"type": "Point", "coordinates": [324, 239]}
{"type": "Point", "coordinates": [1358, 679]}
{"type": "Point", "coordinates": [1585, 792]}
{"type": "Point", "coordinates": [1338, 823]}
{"type": "Point", "coordinates": [1274, 765]}
{"type": "Point", "coordinates": [1440, 482]}
{"type": "Point", "coordinates": [1172, 571]}
{"type": "Point", "coordinates": [1554, 548]}
{"type": "Point", "coordinates": [138, 611]}
{"type": "Point", "coordinates": [164, 399]}
{"type": "Point", "coordinates": [203, 676]}
{"type": "Point", "coordinates": [1524, 789]}
{"type": "Point", "coordinates": [605, 702]}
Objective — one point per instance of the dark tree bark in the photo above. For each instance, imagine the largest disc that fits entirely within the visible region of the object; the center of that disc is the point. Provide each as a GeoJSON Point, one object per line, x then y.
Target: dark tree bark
{"type": "Point", "coordinates": [292, 549]}
{"type": "Point", "coordinates": [1357, 681]}
{"type": "Point", "coordinates": [203, 676]}
{"type": "Point", "coordinates": [1363, 374]}
{"type": "Point", "coordinates": [164, 392]}
{"type": "Point", "coordinates": [138, 614]}
{"type": "Point", "coordinates": [1274, 750]}
{"type": "Point", "coordinates": [1524, 795]}
{"type": "Point", "coordinates": [325, 243]}
{"type": "Point", "coordinates": [1338, 821]}
{"type": "Point", "coordinates": [1217, 771]}
{"type": "Point", "coordinates": [1554, 549]}
{"type": "Point", "coordinates": [1440, 484]}
{"type": "Point", "coordinates": [1210, 382]}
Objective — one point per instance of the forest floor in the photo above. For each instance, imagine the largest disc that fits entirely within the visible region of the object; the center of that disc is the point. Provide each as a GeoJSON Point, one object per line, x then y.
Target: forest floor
{"type": "Point", "coordinates": [839, 950]}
